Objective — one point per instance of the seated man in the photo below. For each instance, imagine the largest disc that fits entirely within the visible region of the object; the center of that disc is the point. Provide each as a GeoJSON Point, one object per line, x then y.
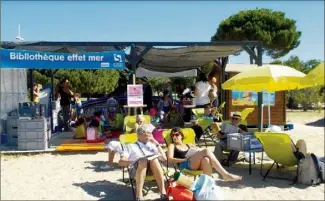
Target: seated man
{"type": "Point", "coordinates": [227, 128]}
{"type": "Point", "coordinates": [142, 155]}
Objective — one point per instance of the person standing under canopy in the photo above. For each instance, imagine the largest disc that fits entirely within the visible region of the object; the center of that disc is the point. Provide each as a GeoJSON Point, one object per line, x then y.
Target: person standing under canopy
{"type": "Point", "coordinates": [66, 94]}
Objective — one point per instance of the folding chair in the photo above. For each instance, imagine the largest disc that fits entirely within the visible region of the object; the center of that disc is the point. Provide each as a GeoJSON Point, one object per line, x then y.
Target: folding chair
{"type": "Point", "coordinates": [189, 138]}
{"type": "Point", "coordinates": [277, 146]}
{"type": "Point", "coordinates": [129, 139]}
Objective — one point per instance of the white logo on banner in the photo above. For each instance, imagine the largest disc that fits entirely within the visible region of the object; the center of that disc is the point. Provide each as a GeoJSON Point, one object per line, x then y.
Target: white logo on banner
{"type": "Point", "coordinates": [117, 57]}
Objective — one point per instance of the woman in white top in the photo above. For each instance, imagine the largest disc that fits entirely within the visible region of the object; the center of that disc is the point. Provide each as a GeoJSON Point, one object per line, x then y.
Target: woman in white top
{"type": "Point", "coordinates": [201, 91]}
{"type": "Point", "coordinates": [213, 93]}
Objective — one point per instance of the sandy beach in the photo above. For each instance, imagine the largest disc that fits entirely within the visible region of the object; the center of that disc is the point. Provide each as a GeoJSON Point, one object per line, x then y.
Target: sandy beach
{"type": "Point", "coordinates": [77, 176]}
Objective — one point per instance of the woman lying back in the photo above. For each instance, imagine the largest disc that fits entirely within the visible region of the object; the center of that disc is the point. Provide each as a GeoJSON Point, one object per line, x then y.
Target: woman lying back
{"type": "Point", "coordinates": [190, 157]}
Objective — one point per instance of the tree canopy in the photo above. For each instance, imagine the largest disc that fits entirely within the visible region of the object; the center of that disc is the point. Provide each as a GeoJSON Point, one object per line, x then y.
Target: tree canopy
{"type": "Point", "coordinates": [82, 81]}
{"type": "Point", "coordinates": [278, 33]}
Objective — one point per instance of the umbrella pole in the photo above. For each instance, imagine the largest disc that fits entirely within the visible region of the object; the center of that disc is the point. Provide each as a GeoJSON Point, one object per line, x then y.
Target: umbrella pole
{"type": "Point", "coordinates": [269, 107]}
{"type": "Point", "coordinates": [262, 117]}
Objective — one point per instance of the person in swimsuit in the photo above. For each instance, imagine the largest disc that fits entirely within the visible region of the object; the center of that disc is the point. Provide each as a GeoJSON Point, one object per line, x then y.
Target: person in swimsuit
{"type": "Point", "coordinates": [200, 160]}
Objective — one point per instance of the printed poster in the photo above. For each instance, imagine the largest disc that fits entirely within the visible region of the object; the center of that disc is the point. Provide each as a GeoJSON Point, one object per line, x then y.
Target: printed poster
{"type": "Point", "coordinates": [249, 98]}
{"type": "Point", "coordinates": [135, 95]}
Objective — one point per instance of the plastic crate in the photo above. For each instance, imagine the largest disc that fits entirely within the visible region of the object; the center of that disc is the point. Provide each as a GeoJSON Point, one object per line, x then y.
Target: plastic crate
{"type": "Point", "coordinates": [242, 142]}
{"type": "Point", "coordinates": [32, 124]}
{"type": "Point", "coordinates": [33, 134]}
{"type": "Point", "coordinates": [34, 144]}
{"type": "Point", "coordinates": [12, 140]}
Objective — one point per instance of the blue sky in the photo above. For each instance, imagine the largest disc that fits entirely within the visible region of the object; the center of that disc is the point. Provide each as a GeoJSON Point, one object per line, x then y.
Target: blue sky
{"type": "Point", "coordinates": [152, 21]}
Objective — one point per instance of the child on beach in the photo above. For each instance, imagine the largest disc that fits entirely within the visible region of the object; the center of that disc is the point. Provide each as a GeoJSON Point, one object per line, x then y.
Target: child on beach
{"type": "Point", "coordinates": [101, 119]}
{"type": "Point", "coordinates": [78, 105]}
{"type": "Point", "coordinates": [80, 128]}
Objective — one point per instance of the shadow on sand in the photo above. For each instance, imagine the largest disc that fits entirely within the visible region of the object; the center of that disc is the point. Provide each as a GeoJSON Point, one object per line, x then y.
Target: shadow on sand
{"type": "Point", "coordinates": [255, 179]}
{"type": "Point", "coordinates": [106, 190]}
{"type": "Point", "coordinates": [95, 165]}
{"type": "Point", "coordinates": [318, 123]}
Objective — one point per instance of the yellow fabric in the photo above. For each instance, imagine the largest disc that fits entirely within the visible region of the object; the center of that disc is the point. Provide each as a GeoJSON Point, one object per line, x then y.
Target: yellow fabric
{"type": "Point", "coordinates": [189, 138]}
{"type": "Point", "coordinates": [204, 123]}
{"type": "Point", "coordinates": [245, 112]}
{"type": "Point", "coordinates": [268, 77]}
{"type": "Point", "coordinates": [198, 111]}
{"type": "Point", "coordinates": [277, 146]}
{"type": "Point", "coordinates": [128, 138]}
{"type": "Point", "coordinates": [80, 131]}
{"type": "Point", "coordinates": [315, 76]}
{"type": "Point", "coordinates": [80, 146]}
{"type": "Point", "coordinates": [129, 122]}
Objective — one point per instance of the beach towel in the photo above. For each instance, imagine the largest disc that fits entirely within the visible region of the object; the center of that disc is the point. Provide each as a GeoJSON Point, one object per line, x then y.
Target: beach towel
{"type": "Point", "coordinates": [157, 135]}
{"type": "Point", "coordinates": [205, 188]}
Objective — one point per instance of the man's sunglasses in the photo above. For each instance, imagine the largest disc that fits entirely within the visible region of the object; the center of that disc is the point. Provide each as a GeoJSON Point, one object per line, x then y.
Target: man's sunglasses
{"type": "Point", "coordinates": [234, 118]}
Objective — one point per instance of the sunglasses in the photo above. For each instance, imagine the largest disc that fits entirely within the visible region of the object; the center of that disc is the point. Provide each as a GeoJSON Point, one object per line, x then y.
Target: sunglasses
{"type": "Point", "coordinates": [234, 118]}
{"type": "Point", "coordinates": [175, 135]}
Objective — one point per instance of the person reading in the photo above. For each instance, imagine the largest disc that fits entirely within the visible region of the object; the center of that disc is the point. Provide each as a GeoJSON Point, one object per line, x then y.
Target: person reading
{"type": "Point", "coordinates": [189, 157]}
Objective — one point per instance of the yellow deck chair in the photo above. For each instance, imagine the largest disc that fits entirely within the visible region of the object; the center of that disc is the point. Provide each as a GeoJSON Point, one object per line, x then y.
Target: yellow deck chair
{"type": "Point", "coordinates": [129, 122]}
{"type": "Point", "coordinates": [277, 146]}
{"type": "Point", "coordinates": [189, 138]}
{"type": "Point", "coordinates": [198, 111]}
{"type": "Point", "coordinates": [130, 138]}
{"type": "Point", "coordinates": [244, 114]}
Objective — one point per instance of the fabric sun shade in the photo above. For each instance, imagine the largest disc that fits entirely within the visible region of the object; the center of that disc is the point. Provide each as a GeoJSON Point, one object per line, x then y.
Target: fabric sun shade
{"type": "Point", "coordinates": [314, 77]}
{"type": "Point", "coordinates": [270, 78]}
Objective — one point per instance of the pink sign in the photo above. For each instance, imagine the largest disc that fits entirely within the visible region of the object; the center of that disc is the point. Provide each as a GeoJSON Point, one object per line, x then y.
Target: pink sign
{"type": "Point", "coordinates": [135, 95]}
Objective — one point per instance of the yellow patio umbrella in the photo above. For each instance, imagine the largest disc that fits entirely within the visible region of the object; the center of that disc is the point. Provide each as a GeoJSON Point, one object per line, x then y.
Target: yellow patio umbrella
{"type": "Point", "coordinates": [269, 78]}
{"type": "Point", "coordinates": [314, 77]}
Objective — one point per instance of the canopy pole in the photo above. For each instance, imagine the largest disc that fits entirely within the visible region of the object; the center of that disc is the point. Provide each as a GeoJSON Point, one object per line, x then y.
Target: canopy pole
{"type": "Point", "coordinates": [260, 95]}
{"type": "Point", "coordinates": [133, 61]}
{"type": "Point", "coordinates": [52, 100]}
{"type": "Point", "coordinates": [31, 83]}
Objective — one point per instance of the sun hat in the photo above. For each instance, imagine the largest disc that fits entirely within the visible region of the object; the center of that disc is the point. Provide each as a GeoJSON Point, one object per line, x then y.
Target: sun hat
{"type": "Point", "coordinates": [236, 114]}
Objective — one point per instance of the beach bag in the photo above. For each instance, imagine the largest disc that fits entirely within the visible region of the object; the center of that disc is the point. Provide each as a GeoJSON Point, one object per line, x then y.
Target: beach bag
{"type": "Point", "coordinates": [205, 188]}
{"type": "Point", "coordinates": [309, 172]}
{"type": "Point", "coordinates": [179, 192]}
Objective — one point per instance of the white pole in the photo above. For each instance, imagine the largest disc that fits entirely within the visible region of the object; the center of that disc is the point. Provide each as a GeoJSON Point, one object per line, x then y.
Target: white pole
{"type": "Point", "coordinates": [262, 116]}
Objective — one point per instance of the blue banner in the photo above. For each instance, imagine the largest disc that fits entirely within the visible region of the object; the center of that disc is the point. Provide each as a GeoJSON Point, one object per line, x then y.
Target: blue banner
{"type": "Point", "coordinates": [48, 60]}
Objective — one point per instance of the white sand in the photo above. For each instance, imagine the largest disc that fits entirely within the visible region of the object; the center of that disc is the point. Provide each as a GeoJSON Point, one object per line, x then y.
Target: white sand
{"type": "Point", "coordinates": [76, 177]}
